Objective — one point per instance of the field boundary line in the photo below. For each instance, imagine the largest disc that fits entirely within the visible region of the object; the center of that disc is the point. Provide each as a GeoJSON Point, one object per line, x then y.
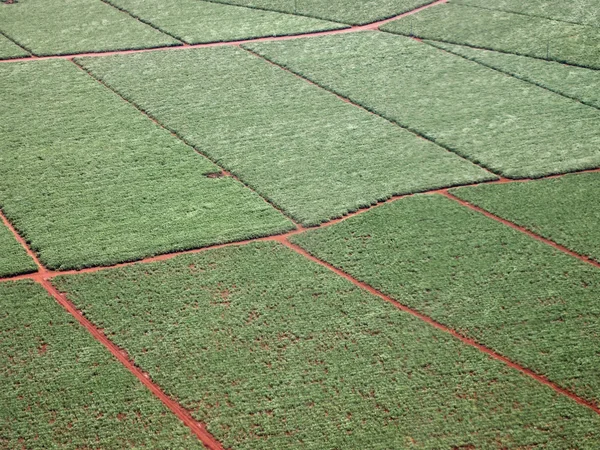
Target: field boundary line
{"type": "Point", "coordinates": [21, 46]}
{"type": "Point", "coordinates": [520, 228]}
{"type": "Point", "coordinates": [505, 72]}
{"type": "Point", "coordinates": [196, 427]}
{"type": "Point", "coordinates": [373, 112]}
{"type": "Point", "coordinates": [142, 21]}
{"type": "Point", "coordinates": [49, 274]}
{"type": "Point", "coordinates": [223, 170]}
{"type": "Point", "coordinates": [465, 340]}
{"type": "Point", "coordinates": [373, 26]}
{"type": "Point", "coordinates": [21, 240]}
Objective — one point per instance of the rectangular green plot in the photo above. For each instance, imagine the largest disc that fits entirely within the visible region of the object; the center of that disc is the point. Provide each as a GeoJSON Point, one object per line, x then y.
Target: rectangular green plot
{"type": "Point", "coordinates": [578, 83]}
{"type": "Point", "coordinates": [195, 21]}
{"type": "Point", "coordinates": [14, 260]}
{"type": "Point", "coordinates": [55, 27]}
{"type": "Point", "coordinates": [506, 32]}
{"type": "Point", "coordinates": [62, 389]}
{"type": "Point", "coordinates": [312, 154]}
{"type": "Point", "coordinates": [272, 351]}
{"type": "Point", "coordinates": [565, 210]}
{"type": "Point", "coordinates": [510, 126]}
{"type": "Point", "coordinates": [353, 12]}
{"type": "Point", "coordinates": [10, 50]}
{"type": "Point", "coordinates": [526, 300]}
{"type": "Point", "coordinates": [579, 11]}
{"type": "Point", "coordinates": [88, 180]}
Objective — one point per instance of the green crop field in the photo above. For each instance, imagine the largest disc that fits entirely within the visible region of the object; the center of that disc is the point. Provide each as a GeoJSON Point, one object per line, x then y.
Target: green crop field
{"type": "Point", "coordinates": [50, 27]}
{"type": "Point", "coordinates": [514, 128]}
{"type": "Point", "coordinates": [196, 21]}
{"type": "Point", "coordinates": [299, 224]}
{"type": "Point", "coordinates": [345, 11]}
{"type": "Point", "coordinates": [313, 155]}
{"type": "Point", "coordinates": [578, 83]}
{"type": "Point", "coordinates": [504, 31]}
{"type": "Point", "coordinates": [13, 258]}
{"type": "Point", "coordinates": [62, 389]}
{"type": "Point", "coordinates": [90, 181]}
{"type": "Point", "coordinates": [512, 293]}
{"type": "Point", "coordinates": [564, 210]}
{"type": "Point", "coordinates": [9, 50]}
{"type": "Point", "coordinates": [580, 11]}
{"type": "Point", "coordinates": [273, 351]}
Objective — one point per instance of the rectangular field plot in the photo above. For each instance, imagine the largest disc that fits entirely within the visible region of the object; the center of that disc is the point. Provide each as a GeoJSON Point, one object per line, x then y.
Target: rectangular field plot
{"type": "Point", "coordinates": [578, 83]}
{"type": "Point", "coordinates": [88, 180]}
{"type": "Point", "coordinates": [52, 27]}
{"type": "Point", "coordinates": [14, 259]}
{"type": "Point", "coordinates": [506, 32]}
{"type": "Point", "coordinates": [580, 11]}
{"type": "Point", "coordinates": [346, 11]}
{"type": "Point", "coordinates": [312, 154]}
{"type": "Point", "coordinates": [565, 210]}
{"type": "Point", "coordinates": [195, 21]}
{"type": "Point", "coordinates": [272, 351]}
{"type": "Point", "coordinates": [62, 389]}
{"type": "Point", "coordinates": [510, 126]}
{"type": "Point", "coordinates": [514, 294]}
{"type": "Point", "coordinates": [8, 49]}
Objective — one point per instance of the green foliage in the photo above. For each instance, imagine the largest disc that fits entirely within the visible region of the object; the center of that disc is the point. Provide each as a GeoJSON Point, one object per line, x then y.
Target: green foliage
{"type": "Point", "coordinates": [576, 82]}
{"type": "Point", "coordinates": [312, 154]}
{"type": "Point", "coordinates": [273, 351]}
{"type": "Point", "coordinates": [51, 27]}
{"type": "Point", "coordinates": [514, 294]}
{"type": "Point", "coordinates": [63, 390]}
{"type": "Point", "coordinates": [506, 32]}
{"type": "Point", "coordinates": [8, 49]}
{"type": "Point", "coordinates": [195, 21]}
{"type": "Point", "coordinates": [346, 11]}
{"type": "Point", "coordinates": [88, 180]}
{"type": "Point", "coordinates": [13, 258]}
{"type": "Point", "coordinates": [510, 126]}
{"type": "Point", "coordinates": [564, 210]}
{"type": "Point", "coordinates": [577, 11]}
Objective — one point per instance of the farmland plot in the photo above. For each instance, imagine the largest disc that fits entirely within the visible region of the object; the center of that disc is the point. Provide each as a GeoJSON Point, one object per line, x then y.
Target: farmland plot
{"type": "Point", "coordinates": [196, 21]}
{"type": "Point", "coordinates": [312, 154]}
{"type": "Point", "coordinates": [50, 27]}
{"type": "Point", "coordinates": [346, 11]}
{"type": "Point", "coordinates": [578, 83]}
{"type": "Point", "coordinates": [273, 351]}
{"type": "Point", "coordinates": [13, 257]}
{"type": "Point", "coordinates": [524, 299]}
{"type": "Point", "coordinates": [512, 127]}
{"type": "Point", "coordinates": [88, 180]}
{"type": "Point", "coordinates": [62, 389]}
{"type": "Point", "coordinates": [503, 31]}
{"type": "Point", "coordinates": [8, 49]}
{"type": "Point", "coordinates": [565, 210]}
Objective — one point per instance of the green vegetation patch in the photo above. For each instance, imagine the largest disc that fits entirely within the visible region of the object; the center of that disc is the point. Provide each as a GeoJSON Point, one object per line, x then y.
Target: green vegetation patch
{"type": "Point", "coordinates": [312, 154]}
{"type": "Point", "coordinates": [14, 260]}
{"type": "Point", "coordinates": [273, 351]}
{"type": "Point", "coordinates": [514, 294]}
{"type": "Point", "coordinates": [564, 210]}
{"type": "Point", "coordinates": [580, 11]}
{"type": "Point", "coordinates": [575, 82]}
{"type": "Point", "coordinates": [8, 49]}
{"type": "Point", "coordinates": [506, 32]}
{"type": "Point", "coordinates": [353, 12]}
{"type": "Point", "coordinates": [61, 389]}
{"type": "Point", "coordinates": [54, 27]}
{"type": "Point", "coordinates": [195, 21]}
{"type": "Point", "coordinates": [88, 180]}
{"type": "Point", "coordinates": [510, 126]}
